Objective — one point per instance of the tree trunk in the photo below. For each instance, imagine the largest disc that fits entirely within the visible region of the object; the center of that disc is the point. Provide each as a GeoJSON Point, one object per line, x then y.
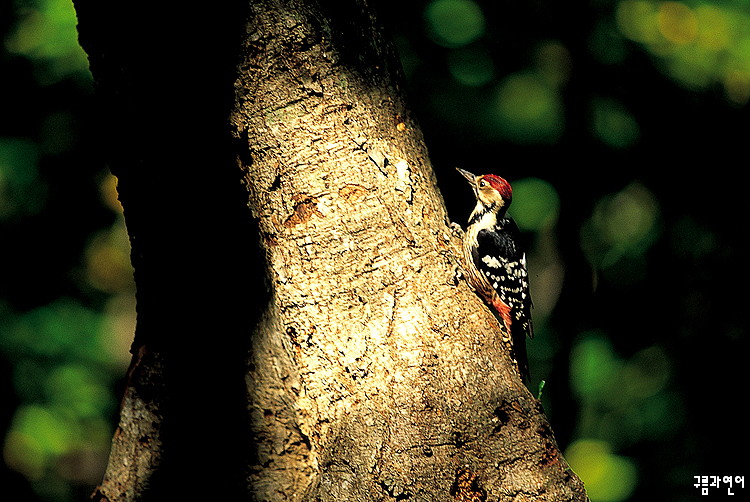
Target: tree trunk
{"type": "Point", "coordinates": [371, 372]}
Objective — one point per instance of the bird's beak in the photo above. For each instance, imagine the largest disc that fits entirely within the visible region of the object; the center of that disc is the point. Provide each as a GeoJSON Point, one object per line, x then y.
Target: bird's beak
{"type": "Point", "coordinates": [466, 174]}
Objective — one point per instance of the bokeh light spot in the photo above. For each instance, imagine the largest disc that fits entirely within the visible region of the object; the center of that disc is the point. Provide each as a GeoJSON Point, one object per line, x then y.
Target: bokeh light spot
{"type": "Point", "coordinates": [454, 23]}
{"type": "Point", "coordinates": [637, 20]}
{"type": "Point", "coordinates": [713, 27]}
{"type": "Point", "coordinates": [536, 204]}
{"type": "Point", "coordinates": [108, 266]}
{"type": "Point", "coordinates": [677, 22]}
{"type": "Point", "coordinates": [553, 61]}
{"type": "Point", "coordinates": [623, 225]}
{"type": "Point", "coordinates": [629, 217]}
{"type": "Point", "coordinates": [593, 366]}
{"type": "Point", "coordinates": [49, 429]}
{"type": "Point", "coordinates": [613, 125]}
{"type": "Point", "coordinates": [80, 390]}
{"type": "Point", "coordinates": [23, 453]}
{"type": "Point", "coordinates": [528, 110]}
{"type": "Point", "coordinates": [608, 477]}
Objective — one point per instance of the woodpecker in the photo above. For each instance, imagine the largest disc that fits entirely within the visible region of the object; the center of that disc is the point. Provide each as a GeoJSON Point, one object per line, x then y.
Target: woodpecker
{"type": "Point", "coordinates": [495, 263]}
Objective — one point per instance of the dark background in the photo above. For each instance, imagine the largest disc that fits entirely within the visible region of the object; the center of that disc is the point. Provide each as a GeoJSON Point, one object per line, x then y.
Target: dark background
{"type": "Point", "coordinates": [623, 128]}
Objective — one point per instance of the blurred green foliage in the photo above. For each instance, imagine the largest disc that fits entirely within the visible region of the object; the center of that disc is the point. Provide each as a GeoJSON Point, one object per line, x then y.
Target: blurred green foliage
{"type": "Point", "coordinates": [66, 303]}
{"type": "Point", "coordinates": [536, 204]}
{"type": "Point", "coordinates": [613, 124]}
{"type": "Point", "coordinates": [454, 23]}
{"type": "Point", "coordinates": [623, 225]}
{"type": "Point", "coordinates": [602, 116]}
{"type": "Point", "coordinates": [623, 402]}
{"type": "Point", "coordinates": [45, 33]}
{"type": "Point", "coordinates": [527, 109]}
{"type": "Point", "coordinates": [696, 43]}
{"type": "Point", "coordinates": [608, 477]}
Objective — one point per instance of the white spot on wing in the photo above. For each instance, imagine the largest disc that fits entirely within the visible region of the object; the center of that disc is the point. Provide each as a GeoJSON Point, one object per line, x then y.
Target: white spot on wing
{"type": "Point", "coordinates": [491, 261]}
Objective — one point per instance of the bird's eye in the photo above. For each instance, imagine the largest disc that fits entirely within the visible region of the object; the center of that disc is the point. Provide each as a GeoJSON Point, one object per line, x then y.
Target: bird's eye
{"type": "Point", "coordinates": [482, 184]}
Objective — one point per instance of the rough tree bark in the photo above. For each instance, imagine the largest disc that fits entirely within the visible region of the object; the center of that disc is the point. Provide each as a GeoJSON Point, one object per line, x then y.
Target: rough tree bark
{"type": "Point", "coordinates": [370, 372]}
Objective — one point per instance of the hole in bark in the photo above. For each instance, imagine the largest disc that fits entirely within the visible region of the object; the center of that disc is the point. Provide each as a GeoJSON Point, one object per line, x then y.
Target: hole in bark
{"type": "Point", "coordinates": [501, 415]}
{"type": "Point", "coordinates": [276, 183]}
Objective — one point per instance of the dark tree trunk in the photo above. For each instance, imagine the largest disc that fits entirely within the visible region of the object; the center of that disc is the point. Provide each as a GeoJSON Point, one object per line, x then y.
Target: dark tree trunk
{"type": "Point", "coordinates": [164, 83]}
{"type": "Point", "coordinates": [316, 346]}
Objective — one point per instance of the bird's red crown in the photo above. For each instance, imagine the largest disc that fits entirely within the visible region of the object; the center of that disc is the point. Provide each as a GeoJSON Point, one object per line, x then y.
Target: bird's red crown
{"type": "Point", "coordinates": [499, 184]}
